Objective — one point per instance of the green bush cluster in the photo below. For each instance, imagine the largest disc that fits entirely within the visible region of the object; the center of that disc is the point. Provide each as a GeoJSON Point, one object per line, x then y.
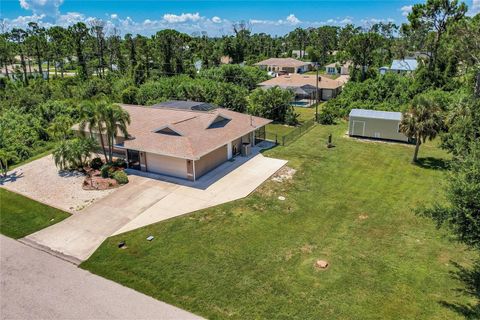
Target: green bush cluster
{"type": "Point", "coordinates": [96, 163]}
{"type": "Point", "coordinates": [120, 176]}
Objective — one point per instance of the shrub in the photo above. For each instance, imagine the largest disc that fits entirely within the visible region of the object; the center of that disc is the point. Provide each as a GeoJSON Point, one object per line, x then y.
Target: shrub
{"type": "Point", "coordinates": [73, 154]}
{"type": "Point", "coordinates": [106, 170]}
{"type": "Point", "coordinates": [120, 176]}
{"type": "Point", "coordinates": [96, 163]}
{"type": "Point", "coordinates": [129, 95]}
{"type": "Point", "coordinates": [119, 163]}
{"type": "Point", "coordinates": [291, 118]}
{"type": "Point", "coordinates": [326, 116]}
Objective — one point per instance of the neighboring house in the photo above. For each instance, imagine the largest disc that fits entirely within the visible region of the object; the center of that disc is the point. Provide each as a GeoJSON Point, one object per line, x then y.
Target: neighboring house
{"type": "Point", "coordinates": [376, 124]}
{"type": "Point", "coordinates": [185, 139]}
{"type": "Point", "coordinates": [299, 53]}
{"type": "Point", "coordinates": [289, 65]}
{"type": "Point", "coordinates": [305, 86]}
{"type": "Point", "coordinates": [400, 66]}
{"type": "Point", "coordinates": [338, 68]}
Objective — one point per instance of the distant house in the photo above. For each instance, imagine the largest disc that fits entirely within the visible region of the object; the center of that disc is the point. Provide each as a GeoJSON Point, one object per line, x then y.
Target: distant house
{"type": "Point", "coordinates": [184, 139]}
{"type": "Point", "coordinates": [338, 68]}
{"type": "Point", "coordinates": [400, 66]}
{"type": "Point", "coordinates": [289, 65]}
{"type": "Point", "coordinates": [299, 53]}
{"type": "Point", "coordinates": [305, 86]}
{"type": "Point", "coordinates": [376, 124]}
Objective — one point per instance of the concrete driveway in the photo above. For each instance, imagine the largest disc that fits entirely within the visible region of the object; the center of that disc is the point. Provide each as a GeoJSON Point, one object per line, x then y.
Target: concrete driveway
{"type": "Point", "coordinates": [35, 285]}
{"type": "Point", "coordinates": [144, 201]}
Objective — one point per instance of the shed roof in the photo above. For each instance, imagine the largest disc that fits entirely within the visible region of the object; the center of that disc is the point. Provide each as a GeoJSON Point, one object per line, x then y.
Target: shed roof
{"type": "Point", "coordinates": [375, 114]}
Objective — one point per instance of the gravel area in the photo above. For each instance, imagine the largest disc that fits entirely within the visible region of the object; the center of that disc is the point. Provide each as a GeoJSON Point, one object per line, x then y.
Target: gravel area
{"type": "Point", "coordinates": [41, 181]}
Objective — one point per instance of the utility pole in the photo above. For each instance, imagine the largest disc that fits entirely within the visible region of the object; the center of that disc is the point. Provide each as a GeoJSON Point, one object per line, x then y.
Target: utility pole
{"type": "Point", "coordinates": [316, 96]}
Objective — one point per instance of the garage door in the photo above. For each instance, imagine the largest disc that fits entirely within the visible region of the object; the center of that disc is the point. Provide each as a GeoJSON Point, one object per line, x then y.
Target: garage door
{"type": "Point", "coordinates": [166, 165]}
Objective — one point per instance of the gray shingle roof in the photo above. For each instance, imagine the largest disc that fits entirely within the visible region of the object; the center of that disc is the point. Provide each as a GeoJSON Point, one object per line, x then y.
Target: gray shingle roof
{"type": "Point", "coordinates": [375, 114]}
{"type": "Point", "coordinates": [185, 105]}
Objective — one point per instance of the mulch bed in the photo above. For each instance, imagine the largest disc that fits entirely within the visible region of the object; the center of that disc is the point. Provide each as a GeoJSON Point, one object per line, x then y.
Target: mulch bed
{"type": "Point", "coordinates": [94, 181]}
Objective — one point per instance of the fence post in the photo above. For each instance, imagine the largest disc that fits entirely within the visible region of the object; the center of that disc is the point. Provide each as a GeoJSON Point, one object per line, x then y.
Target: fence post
{"type": "Point", "coordinates": [283, 141]}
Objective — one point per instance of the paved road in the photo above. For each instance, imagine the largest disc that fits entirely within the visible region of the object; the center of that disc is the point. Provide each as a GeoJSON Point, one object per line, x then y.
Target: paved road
{"type": "Point", "coordinates": [36, 285]}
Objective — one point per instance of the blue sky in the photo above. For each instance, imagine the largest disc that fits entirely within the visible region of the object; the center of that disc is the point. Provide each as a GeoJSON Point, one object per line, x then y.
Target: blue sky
{"type": "Point", "coordinates": [214, 17]}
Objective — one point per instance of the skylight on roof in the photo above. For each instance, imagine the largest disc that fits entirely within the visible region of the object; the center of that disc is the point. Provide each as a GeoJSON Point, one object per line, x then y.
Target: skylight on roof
{"type": "Point", "coordinates": [219, 121]}
{"type": "Point", "coordinates": [168, 131]}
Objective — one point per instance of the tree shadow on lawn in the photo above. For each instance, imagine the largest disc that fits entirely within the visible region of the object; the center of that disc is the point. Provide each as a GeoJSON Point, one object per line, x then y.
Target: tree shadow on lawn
{"type": "Point", "coordinates": [470, 277]}
{"type": "Point", "coordinates": [433, 163]}
{"type": "Point", "coordinates": [11, 177]}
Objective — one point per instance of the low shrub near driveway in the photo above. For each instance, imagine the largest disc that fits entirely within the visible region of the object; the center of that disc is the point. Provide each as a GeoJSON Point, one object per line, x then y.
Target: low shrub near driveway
{"type": "Point", "coordinates": [120, 176]}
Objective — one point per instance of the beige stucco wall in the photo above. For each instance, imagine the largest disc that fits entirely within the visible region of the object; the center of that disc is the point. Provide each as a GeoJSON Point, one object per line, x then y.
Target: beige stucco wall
{"type": "Point", "coordinates": [376, 128]}
{"type": "Point", "coordinates": [170, 166]}
{"type": "Point", "coordinates": [210, 161]}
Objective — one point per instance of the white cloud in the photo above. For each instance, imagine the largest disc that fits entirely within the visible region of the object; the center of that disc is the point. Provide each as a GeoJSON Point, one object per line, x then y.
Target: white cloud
{"type": "Point", "coordinates": [368, 22]}
{"type": "Point", "coordinates": [70, 18]}
{"type": "Point", "coordinates": [114, 16]}
{"type": "Point", "coordinates": [184, 17]}
{"type": "Point", "coordinates": [407, 9]}
{"type": "Point", "coordinates": [292, 19]}
{"type": "Point", "coordinates": [346, 21]}
{"type": "Point", "coordinates": [216, 19]}
{"type": "Point", "coordinates": [39, 7]}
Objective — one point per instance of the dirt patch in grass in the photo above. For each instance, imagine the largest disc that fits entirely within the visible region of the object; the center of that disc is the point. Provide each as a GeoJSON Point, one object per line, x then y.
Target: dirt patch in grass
{"type": "Point", "coordinates": [284, 174]}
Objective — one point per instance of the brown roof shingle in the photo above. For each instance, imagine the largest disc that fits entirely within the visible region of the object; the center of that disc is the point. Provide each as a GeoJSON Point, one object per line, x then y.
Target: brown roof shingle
{"type": "Point", "coordinates": [196, 138]}
{"type": "Point", "coordinates": [282, 62]}
{"type": "Point", "coordinates": [300, 80]}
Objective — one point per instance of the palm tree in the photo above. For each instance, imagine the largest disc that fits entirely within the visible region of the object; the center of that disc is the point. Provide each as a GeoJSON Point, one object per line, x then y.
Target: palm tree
{"type": "Point", "coordinates": [115, 120]}
{"type": "Point", "coordinates": [91, 115]}
{"type": "Point", "coordinates": [422, 121]}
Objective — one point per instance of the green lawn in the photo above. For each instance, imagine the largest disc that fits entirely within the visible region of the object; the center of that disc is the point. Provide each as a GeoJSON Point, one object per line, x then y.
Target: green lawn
{"type": "Point", "coordinates": [254, 258]}
{"type": "Point", "coordinates": [21, 216]}
{"type": "Point", "coordinates": [305, 114]}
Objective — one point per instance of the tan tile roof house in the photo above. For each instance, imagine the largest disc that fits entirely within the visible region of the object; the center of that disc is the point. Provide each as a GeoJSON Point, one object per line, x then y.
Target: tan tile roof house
{"type": "Point", "coordinates": [185, 139]}
{"type": "Point", "coordinates": [289, 65]}
{"type": "Point", "coordinates": [338, 68]}
{"type": "Point", "coordinates": [305, 85]}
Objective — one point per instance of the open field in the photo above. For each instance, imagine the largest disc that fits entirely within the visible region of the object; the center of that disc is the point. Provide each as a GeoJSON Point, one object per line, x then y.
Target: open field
{"type": "Point", "coordinates": [254, 258]}
{"type": "Point", "coordinates": [20, 216]}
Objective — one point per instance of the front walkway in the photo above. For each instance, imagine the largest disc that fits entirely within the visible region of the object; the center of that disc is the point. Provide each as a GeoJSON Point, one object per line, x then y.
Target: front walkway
{"type": "Point", "coordinates": [36, 285]}
{"type": "Point", "coordinates": [145, 200]}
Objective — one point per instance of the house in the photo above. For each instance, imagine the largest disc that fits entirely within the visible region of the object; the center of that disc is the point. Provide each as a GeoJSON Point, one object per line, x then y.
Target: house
{"type": "Point", "coordinates": [338, 68]}
{"type": "Point", "coordinates": [376, 124]}
{"type": "Point", "coordinates": [400, 66]}
{"type": "Point", "coordinates": [185, 139]}
{"type": "Point", "coordinates": [305, 86]}
{"type": "Point", "coordinates": [289, 65]}
{"type": "Point", "coordinates": [299, 53]}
